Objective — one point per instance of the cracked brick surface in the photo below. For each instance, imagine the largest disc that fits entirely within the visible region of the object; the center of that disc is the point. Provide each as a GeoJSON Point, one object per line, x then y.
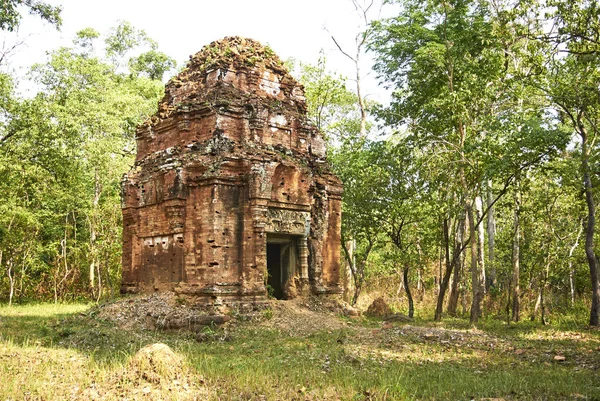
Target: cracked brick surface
{"type": "Point", "coordinates": [229, 164]}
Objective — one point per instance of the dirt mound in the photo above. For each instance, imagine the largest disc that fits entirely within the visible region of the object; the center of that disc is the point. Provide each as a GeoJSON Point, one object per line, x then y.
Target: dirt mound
{"type": "Point", "coordinates": [304, 316]}
{"type": "Point", "coordinates": [379, 308]}
{"type": "Point", "coordinates": [158, 311]}
{"type": "Point", "coordinates": [155, 363]}
{"type": "Point", "coordinates": [154, 373]}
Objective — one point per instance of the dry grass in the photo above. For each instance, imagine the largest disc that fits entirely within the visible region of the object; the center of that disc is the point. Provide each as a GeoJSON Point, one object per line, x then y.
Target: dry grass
{"type": "Point", "coordinates": [61, 352]}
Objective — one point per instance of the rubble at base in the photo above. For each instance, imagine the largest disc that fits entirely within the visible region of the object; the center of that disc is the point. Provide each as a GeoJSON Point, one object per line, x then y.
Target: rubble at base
{"type": "Point", "coordinates": [167, 311]}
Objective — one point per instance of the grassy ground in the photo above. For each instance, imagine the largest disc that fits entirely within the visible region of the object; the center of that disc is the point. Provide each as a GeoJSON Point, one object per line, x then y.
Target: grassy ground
{"type": "Point", "coordinates": [50, 352]}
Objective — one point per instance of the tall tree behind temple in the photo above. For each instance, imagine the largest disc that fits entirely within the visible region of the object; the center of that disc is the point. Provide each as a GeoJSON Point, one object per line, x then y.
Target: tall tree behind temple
{"type": "Point", "coordinates": [336, 112]}
{"type": "Point", "coordinates": [440, 57]}
{"type": "Point", "coordinates": [452, 65]}
{"type": "Point", "coordinates": [64, 155]}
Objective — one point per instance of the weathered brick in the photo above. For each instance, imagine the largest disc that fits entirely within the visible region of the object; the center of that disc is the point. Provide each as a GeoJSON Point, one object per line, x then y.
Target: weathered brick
{"type": "Point", "coordinates": [230, 175]}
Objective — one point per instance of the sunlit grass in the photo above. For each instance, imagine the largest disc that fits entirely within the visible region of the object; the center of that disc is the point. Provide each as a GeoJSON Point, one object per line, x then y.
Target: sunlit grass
{"type": "Point", "coordinates": [52, 351]}
{"type": "Point", "coordinates": [43, 309]}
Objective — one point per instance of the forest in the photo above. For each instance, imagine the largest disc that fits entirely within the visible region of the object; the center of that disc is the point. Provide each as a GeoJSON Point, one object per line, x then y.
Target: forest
{"type": "Point", "coordinates": [471, 193]}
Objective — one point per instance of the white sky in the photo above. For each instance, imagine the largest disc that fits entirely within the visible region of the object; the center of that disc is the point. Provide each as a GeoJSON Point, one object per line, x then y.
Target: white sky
{"type": "Point", "coordinates": [293, 28]}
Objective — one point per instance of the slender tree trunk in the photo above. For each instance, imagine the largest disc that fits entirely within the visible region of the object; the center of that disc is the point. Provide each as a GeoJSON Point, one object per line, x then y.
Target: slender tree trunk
{"type": "Point", "coordinates": [480, 244]}
{"type": "Point", "coordinates": [11, 280]}
{"type": "Point", "coordinates": [357, 268]}
{"type": "Point", "coordinates": [361, 102]}
{"type": "Point", "coordinates": [454, 288]}
{"type": "Point", "coordinates": [420, 283]}
{"type": "Point", "coordinates": [411, 305]}
{"type": "Point", "coordinates": [21, 277]}
{"type": "Point", "coordinates": [571, 268]}
{"type": "Point", "coordinates": [459, 241]}
{"type": "Point", "coordinates": [491, 233]}
{"type": "Point", "coordinates": [348, 284]}
{"type": "Point", "coordinates": [476, 291]}
{"type": "Point", "coordinates": [438, 279]}
{"type": "Point", "coordinates": [589, 226]}
{"type": "Point", "coordinates": [516, 254]}
{"type": "Point", "coordinates": [63, 252]}
{"type": "Point", "coordinates": [543, 290]}
{"type": "Point", "coordinates": [538, 302]}
{"type": "Point", "coordinates": [94, 265]}
{"type": "Point", "coordinates": [445, 280]}
{"type": "Point", "coordinates": [9, 265]}
{"type": "Point", "coordinates": [401, 285]}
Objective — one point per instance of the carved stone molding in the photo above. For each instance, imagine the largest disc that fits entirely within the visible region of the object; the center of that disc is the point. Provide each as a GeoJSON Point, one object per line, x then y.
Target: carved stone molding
{"type": "Point", "coordinates": [284, 221]}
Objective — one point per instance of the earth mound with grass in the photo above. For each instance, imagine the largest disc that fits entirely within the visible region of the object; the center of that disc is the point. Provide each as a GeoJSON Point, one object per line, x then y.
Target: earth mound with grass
{"type": "Point", "coordinates": [301, 316]}
{"type": "Point", "coordinates": [379, 308]}
{"type": "Point", "coordinates": [155, 372]}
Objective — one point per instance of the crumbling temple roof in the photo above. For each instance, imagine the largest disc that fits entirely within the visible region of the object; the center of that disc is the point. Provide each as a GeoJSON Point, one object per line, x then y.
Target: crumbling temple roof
{"type": "Point", "coordinates": [230, 53]}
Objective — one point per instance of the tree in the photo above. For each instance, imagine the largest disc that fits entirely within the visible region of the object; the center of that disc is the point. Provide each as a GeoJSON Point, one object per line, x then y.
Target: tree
{"type": "Point", "coordinates": [456, 68]}
{"type": "Point", "coordinates": [441, 58]}
{"type": "Point", "coordinates": [335, 111]}
{"type": "Point", "coordinates": [406, 209]}
{"type": "Point", "coordinates": [355, 161]}
{"type": "Point", "coordinates": [10, 17]}
{"type": "Point", "coordinates": [63, 156]}
{"type": "Point", "coordinates": [331, 106]}
{"type": "Point", "coordinates": [572, 87]}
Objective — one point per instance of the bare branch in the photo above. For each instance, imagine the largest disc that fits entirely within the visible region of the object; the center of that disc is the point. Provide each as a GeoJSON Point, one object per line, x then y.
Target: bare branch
{"type": "Point", "coordinates": [338, 46]}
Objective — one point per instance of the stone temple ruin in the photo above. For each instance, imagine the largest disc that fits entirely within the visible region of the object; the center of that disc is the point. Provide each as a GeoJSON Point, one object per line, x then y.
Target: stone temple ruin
{"type": "Point", "coordinates": [231, 197]}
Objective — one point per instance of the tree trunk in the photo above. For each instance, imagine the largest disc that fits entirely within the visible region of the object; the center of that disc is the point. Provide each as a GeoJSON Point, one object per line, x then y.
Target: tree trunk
{"type": "Point", "coordinates": [543, 290]}
{"type": "Point", "coordinates": [480, 245]}
{"type": "Point", "coordinates": [516, 253]}
{"type": "Point", "coordinates": [538, 302]}
{"type": "Point", "coordinates": [476, 284]}
{"type": "Point", "coordinates": [444, 281]}
{"type": "Point", "coordinates": [9, 266]}
{"type": "Point", "coordinates": [348, 284]}
{"type": "Point", "coordinates": [459, 241]}
{"type": "Point", "coordinates": [438, 279]}
{"type": "Point", "coordinates": [357, 269]}
{"type": "Point", "coordinates": [491, 233]}
{"type": "Point", "coordinates": [94, 264]}
{"type": "Point", "coordinates": [571, 268]}
{"type": "Point", "coordinates": [420, 282]}
{"type": "Point", "coordinates": [11, 280]}
{"type": "Point", "coordinates": [411, 306]}
{"type": "Point", "coordinates": [590, 225]}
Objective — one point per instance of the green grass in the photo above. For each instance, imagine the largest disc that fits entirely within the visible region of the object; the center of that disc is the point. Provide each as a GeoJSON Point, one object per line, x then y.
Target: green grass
{"type": "Point", "coordinates": [50, 351]}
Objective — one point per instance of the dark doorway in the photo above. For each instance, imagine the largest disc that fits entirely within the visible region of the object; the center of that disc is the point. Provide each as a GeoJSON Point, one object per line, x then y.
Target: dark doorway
{"type": "Point", "coordinates": [274, 284]}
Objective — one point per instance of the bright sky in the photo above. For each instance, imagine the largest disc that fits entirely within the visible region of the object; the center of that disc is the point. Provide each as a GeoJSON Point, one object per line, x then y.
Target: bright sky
{"type": "Point", "coordinates": [292, 28]}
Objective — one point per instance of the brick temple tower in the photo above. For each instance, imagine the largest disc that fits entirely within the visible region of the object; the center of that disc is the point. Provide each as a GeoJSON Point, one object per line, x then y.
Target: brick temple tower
{"type": "Point", "coordinates": [231, 196]}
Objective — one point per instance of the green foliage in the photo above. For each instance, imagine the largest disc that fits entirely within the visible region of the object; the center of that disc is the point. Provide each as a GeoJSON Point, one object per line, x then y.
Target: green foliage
{"type": "Point", "coordinates": [153, 64]}
{"type": "Point", "coordinates": [62, 156]}
{"type": "Point", "coordinates": [10, 16]}
{"type": "Point", "coordinates": [332, 108]}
